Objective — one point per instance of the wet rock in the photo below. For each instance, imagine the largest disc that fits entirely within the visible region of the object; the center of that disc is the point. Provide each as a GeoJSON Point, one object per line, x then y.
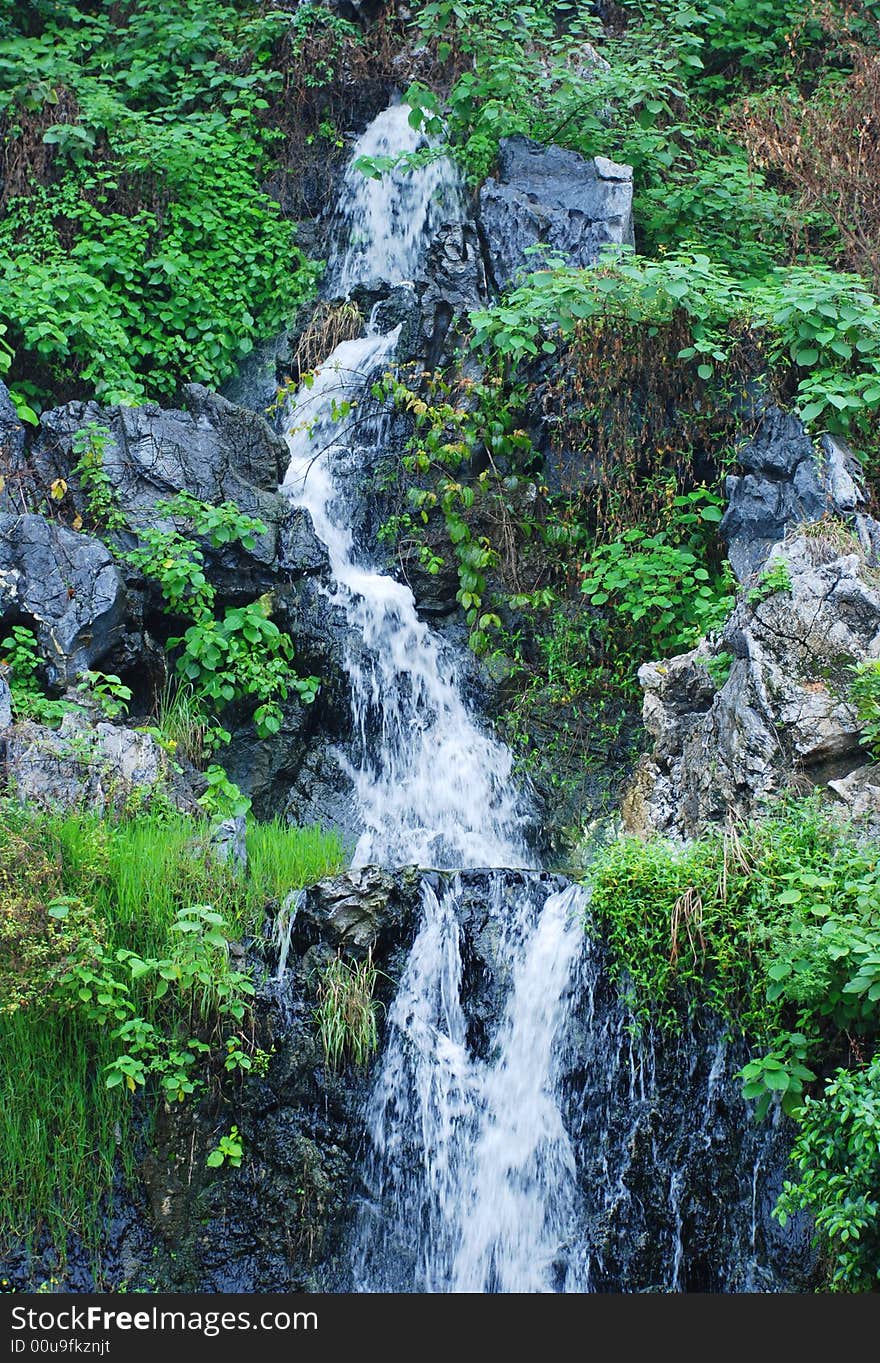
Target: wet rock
{"type": "Point", "coordinates": [786, 483]}
{"type": "Point", "coordinates": [359, 909]}
{"type": "Point", "coordinates": [782, 715]}
{"type": "Point", "coordinates": [553, 197]}
{"type": "Point", "coordinates": [454, 285]}
{"type": "Point", "coordinates": [67, 585]}
{"type": "Point", "coordinates": [81, 765]}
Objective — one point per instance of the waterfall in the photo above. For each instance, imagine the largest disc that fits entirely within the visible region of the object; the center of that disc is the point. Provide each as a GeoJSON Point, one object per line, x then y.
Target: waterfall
{"type": "Point", "coordinates": [513, 1107]}
{"type": "Point", "coordinates": [471, 1175]}
{"type": "Point", "coordinates": [381, 226]}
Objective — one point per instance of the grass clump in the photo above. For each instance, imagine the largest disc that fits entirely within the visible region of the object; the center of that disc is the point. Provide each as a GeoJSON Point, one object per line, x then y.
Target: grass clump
{"type": "Point", "coordinates": [346, 1013]}
{"type": "Point", "coordinates": [116, 977]}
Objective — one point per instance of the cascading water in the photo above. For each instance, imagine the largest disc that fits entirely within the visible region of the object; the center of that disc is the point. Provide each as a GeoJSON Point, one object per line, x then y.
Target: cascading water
{"type": "Point", "coordinates": [483, 1172]}
{"type": "Point", "coordinates": [381, 226]}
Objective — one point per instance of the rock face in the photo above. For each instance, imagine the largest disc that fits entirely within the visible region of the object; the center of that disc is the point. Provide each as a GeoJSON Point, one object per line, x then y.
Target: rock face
{"type": "Point", "coordinates": [783, 713]}
{"type": "Point", "coordinates": [213, 450]}
{"type": "Point", "coordinates": [81, 765]}
{"type": "Point", "coordinates": [67, 585]}
{"type": "Point", "coordinates": [5, 704]}
{"type": "Point", "coordinates": [12, 438]}
{"type": "Point", "coordinates": [786, 483]}
{"type": "Point", "coordinates": [549, 196]}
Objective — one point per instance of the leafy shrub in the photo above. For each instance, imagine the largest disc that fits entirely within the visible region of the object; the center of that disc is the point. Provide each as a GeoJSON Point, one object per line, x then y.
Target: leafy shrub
{"type": "Point", "coordinates": [152, 252]}
{"type": "Point", "coordinates": [662, 594]}
{"type": "Point", "coordinates": [864, 691]}
{"type": "Point", "coordinates": [837, 1155]}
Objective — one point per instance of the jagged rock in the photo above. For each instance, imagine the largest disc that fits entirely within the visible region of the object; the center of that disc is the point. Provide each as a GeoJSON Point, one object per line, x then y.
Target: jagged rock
{"type": "Point", "coordinates": [12, 464]}
{"type": "Point", "coordinates": [80, 765]}
{"type": "Point", "coordinates": [359, 909]}
{"type": "Point", "coordinates": [782, 715]}
{"type": "Point", "coordinates": [553, 197]}
{"type": "Point", "coordinates": [228, 842]}
{"type": "Point", "coordinates": [68, 585]}
{"type": "Point", "coordinates": [860, 792]}
{"type": "Point", "coordinates": [454, 285]}
{"type": "Point", "coordinates": [785, 484]}
{"type": "Point", "coordinates": [213, 449]}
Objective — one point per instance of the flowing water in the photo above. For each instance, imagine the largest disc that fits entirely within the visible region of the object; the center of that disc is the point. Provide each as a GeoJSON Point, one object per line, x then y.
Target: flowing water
{"type": "Point", "coordinates": [500, 1073]}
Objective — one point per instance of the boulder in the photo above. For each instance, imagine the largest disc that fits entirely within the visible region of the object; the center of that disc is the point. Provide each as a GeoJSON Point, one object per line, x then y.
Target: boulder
{"type": "Point", "coordinates": [359, 909]}
{"type": "Point", "coordinates": [556, 198]}
{"type": "Point", "coordinates": [213, 449]}
{"type": "Point", "coordinates": [782, 716]}
{"type": "Point", "coordinates": [68, 584]}
{"type": "Point", "coordinates": [83, 765]}
{"type": "Point", "coordinates": [785, 483]}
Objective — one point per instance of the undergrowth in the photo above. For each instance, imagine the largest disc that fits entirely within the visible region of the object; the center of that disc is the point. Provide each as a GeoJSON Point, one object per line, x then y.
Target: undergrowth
{"type": "Point", "coordinates": [117, 977]}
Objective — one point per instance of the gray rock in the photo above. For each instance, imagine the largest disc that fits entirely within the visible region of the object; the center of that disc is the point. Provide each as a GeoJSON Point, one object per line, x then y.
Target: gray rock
{"type": "Point", "coordinates": [786, 483]}
{"type": "Point", "coordinates": [228, 843]}
{"type": "Point", "coordinates": [357, 910]}
{"type": "Point", "coordinates": [13, 470]}
{"type": "Point", "coordinates": [78, 765]}
{"type": "Point", "coordinates": [11, 429]}
{"type": "Point", "coordinates": [68, 584]}
{"type": "Point", "coordinates": [550, 196]}
{"type": "Point", "coordinates": [454, 285]}
{"type": "Point", "coordinates": [782, 715]}
{"type": "Point", "coordinates": [5, 703]}
{"type": "Point", "coordinates": [860, 792]}
{"type": "Point", "coordinates": [213, 449]}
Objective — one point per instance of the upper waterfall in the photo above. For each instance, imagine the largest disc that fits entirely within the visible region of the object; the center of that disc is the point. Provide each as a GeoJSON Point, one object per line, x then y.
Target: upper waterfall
{"type": "Point", "coordinates": [381, 226]}
{"type": "Point", "coordinates": [432, 788]}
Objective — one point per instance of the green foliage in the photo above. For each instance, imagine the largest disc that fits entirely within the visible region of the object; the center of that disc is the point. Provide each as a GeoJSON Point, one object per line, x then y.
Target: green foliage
{"type": "Point", "coordinates": [89, 444]}
{"type": "Point", "coordinates": [346, 1013]}
{"type": "Point", "coordinates": [661, 596]}
{"type": "Point", "coordinates": [837, 1155]}
{"type": "Point", "coordinates": [779, 1075]}
{"type": "Point", "coordinates": [821, 325]}
{"type": "Point", "coordinates": [450, 438]}
{"type": "Point", "coordinates": [229, 1150]}
{"type": "Point", "coordinates": [152, 252]}
{"type": "Point", "coordinates": [719, 667]}
{"type": "Point", "coordinates": [222, 798]}
{"type": "Point", "coordinates": [106, 691]}
{"type": "Point", "coordinates": [864, 692]}
{"type": "Point", "coordinates": [774, 927]}
{"type": "Point", "coordinates": [774, 578]}
{"type": "Point", "coordinates": [241, 656]}
{"type": "Point", "coordinates": [19, 652]}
